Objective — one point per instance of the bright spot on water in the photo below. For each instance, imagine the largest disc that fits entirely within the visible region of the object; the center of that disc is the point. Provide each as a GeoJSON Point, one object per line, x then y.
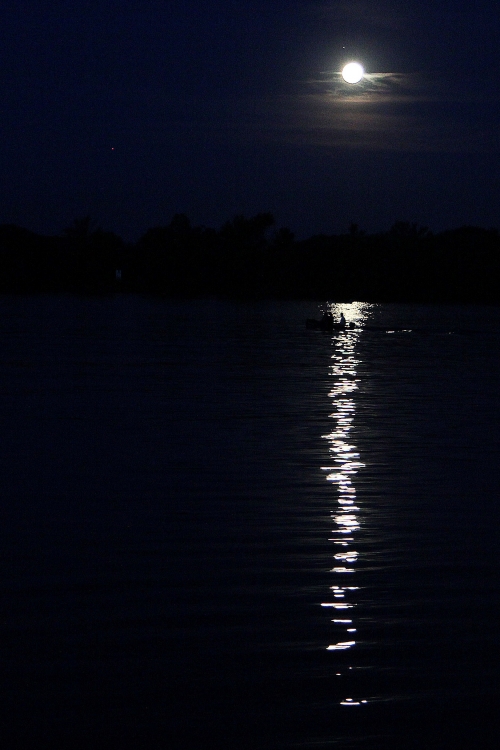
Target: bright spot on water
{"type": "Point", "coordinates": [341, 646]}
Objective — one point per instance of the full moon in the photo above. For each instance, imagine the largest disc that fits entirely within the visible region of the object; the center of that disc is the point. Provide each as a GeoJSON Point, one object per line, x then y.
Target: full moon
{"type": "Point", "coordinates": [353, 72]}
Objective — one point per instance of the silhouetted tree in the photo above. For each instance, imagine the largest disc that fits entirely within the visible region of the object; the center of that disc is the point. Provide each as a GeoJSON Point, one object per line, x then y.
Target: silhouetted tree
{"type": "Point", "coordinates": [283, 239]}
{"type": "Point", "coordinates": [242, 259]}
{"type": "Point", "coordinates": [407, 230]}
{"type": "Point", "coordinates": [245, 233]}
{"type": "Point", "coordinates": [355, 231]}
{"type": "Point", "coordinates": [92, 256]}
{"type": "Point", "coordinates": [80, 229]}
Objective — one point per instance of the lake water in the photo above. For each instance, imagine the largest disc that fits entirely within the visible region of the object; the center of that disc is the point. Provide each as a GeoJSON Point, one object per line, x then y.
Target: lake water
{"type": "Point", "coordinates": [220, 529]}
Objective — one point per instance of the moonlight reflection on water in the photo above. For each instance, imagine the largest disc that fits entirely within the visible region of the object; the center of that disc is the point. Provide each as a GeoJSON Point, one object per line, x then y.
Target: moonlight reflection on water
{"type": "Point", "coordinates": [345, 465]}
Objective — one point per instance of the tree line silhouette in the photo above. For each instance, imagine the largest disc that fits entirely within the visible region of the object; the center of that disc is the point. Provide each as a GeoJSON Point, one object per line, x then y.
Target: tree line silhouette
{"type": "Point", "coordinates": [249, 258]}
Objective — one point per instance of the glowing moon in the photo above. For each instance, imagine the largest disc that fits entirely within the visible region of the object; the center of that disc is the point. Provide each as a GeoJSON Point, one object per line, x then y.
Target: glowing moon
{"type": "Point", "coordinates": [353, 72]}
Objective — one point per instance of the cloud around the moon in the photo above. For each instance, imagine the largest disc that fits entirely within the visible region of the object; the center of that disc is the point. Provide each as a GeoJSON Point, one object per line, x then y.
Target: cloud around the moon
{"type": "Point", "coordinates": [387, 111]}
{"type": "Point", "coordinates": [374, 87]}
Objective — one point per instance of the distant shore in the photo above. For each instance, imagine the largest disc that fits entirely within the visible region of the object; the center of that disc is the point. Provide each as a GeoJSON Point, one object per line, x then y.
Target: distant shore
{"type": "Point", "coordinates": [248, 258]}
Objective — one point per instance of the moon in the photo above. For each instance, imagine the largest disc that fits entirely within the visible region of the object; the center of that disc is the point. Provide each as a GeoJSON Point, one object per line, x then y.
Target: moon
{"type": "Point", "coordinates": [353, 72]}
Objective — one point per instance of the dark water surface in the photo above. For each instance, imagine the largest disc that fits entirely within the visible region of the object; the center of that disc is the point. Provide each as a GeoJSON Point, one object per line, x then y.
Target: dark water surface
{"type": "Point", "coordinates": [219, 529]}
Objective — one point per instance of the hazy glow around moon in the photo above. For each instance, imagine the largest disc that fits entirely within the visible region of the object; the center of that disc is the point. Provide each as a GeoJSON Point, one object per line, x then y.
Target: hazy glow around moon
{"type": "Point", "coordinates": [353, 72]}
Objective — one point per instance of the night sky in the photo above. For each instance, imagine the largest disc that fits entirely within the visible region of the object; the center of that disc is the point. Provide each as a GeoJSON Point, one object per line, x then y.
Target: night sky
{"type": "Point", "coordinates": [134, 111]}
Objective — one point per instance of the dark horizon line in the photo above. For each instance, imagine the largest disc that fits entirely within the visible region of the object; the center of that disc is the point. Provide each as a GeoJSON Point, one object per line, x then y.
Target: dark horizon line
{"type": "Point", "coordinates": [400, 226]}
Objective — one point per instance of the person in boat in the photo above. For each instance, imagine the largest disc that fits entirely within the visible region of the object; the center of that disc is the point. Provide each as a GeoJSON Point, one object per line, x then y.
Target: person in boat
{"type": "Point", "coordinates": [342, 321]}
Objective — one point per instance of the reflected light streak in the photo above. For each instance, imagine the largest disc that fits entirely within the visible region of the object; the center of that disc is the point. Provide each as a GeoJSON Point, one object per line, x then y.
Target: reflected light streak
{"type": "Point", "coordinates": [341, 475]}
{"type": "Point", "coordinates": [342, 570]}
{"type": "Point", "coordinates": [339, 606]}
{"type": "Point", "coordinates": [348, 556]}
{"type": "Point", "coordinates": [341, 646]}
